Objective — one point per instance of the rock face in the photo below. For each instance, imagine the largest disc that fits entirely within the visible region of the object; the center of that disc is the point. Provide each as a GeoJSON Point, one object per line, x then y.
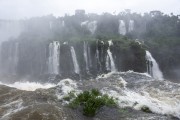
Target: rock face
{"type": "Point", "coordinates": [78, 59]}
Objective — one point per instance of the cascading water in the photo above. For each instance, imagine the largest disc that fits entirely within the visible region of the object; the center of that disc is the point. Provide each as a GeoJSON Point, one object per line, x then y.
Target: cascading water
{"type": "Point", "coordinates": [110, 57]}
{"type": "Point", "coordinates": [63, 23]}
{"type": "Point", "coordinates": [75, 62]}
{"type": "Point", "coordinates": [84, 23]}
{"type": "Point", "coordinates": [98, 58]}
{"type": "Point", "coordinates": [131, 26]}
{"type": "Point", "coordinates": [107, 63]}
{"type": "Point", "coordinates": [53, 61]}
{"type": "Point", "coordinates": [113, 67]}
{"type": "Point", "coordinates": [92, 26]}
{"type": "Point", "coordinates": [122, 27]}
{"type": "Point", "coordinates": [153, 67]}
{"type": "Point", "coordinates": [89, 56]}
{"type": "Point", "coordinates": [50, 25]}
{"type": "Point", "coordinates": [11, 61]}
{"type": "Point", "coordinates": [86, 55]}
{"type": "Point", "coordinates": [15, 58]}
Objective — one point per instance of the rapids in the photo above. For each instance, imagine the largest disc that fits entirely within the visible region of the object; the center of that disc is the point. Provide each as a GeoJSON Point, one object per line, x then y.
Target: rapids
{"type": "Point", "coordinates": [132, 91]}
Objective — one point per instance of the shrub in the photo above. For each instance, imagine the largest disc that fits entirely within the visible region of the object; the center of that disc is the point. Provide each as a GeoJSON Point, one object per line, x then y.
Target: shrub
{"type": "Point", "coordinates": [92, 101]}
{"type": "Point", "coordinates": [146, 109]}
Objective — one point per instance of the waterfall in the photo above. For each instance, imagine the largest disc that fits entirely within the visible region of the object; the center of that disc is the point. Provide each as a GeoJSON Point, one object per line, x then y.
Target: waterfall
{"type": "Point", "coordinates": [98, 58]}
{"type": "Point", "coordinates": [92, 26]}
{"type": "Point", "coordinates": [12, 60]}
{"type": "Point", "coordinates": [122, 27]}
{"type": "Point", "coordinates": [153, 67]}
{"type": "Point", "coordinates": [75, 62]}
{"type": "Point", "coordinates": [63, 23]}
{"type": "Point", "coordinates": [113, 67]}
{"type": "Point", "coordinates": [86, 55]}
{"type": "Point", "coordinates": [50, 25]}
{"type": "Point", "coordinates": [53, 61]}
{"type": "Point", "coordinates": [15, 58]}
{"type": "Point", "coordinates": [107, 63]}
{"type": "Point", "coordinates": [84, 23]}
{"type": "Point", "coordinates": [131, 25]}
{"type": "Point", "coordinates": [89, 56]}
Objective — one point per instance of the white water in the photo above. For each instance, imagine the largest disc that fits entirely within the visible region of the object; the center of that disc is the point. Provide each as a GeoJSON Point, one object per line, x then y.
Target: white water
{"type": "Point", "coordinates": [86, 55]}
{"type": "Point", "coordinates": [122, 27]}
{"type": "Point", "coordinates": [89, 56]}
{"type": "Point", "coordinates": [50, 25]}
{"type": "Point", "coordinates": [110, 42]}
{"type": "Point", "coordinates": [160, 97]}
{"type": "Point", "coordinates": [163, 99]}
{"type": "Point", "coordinates": [91, 25]}
{"type": "Point", "coordinates": [110, 57]}
{"type": "Point", "coordinates": [15, 58]}
{"type": "Point", "coordinates": [97, 56]}
{"type": "Point", "coordinates": [108, 68]}
{"type": "Point", "coordinates": [129, 98]}
{"type": "Point", "coordinates": [11, 108]}
{"type": "Point", "coordinates": [63, 23]}
{"type": "Point", "coordinates": [113, 67]}
{"type": "Point", "coordinates": [75, 62]}
{"type": "Point", "coordinates": [84, 23]}
{"type": "Point", "coordinates": [29, 86]}
{"type": "Point", "coordinates": [153, 67]}
{"type": "Point", "coordinates": [66, 86]}
{"type": "Point", "coordinates": [131, 25]}
{"type": "Point", "coordinates": [10, 65]}
{"type": "Point", "coordinates": [53, 61]}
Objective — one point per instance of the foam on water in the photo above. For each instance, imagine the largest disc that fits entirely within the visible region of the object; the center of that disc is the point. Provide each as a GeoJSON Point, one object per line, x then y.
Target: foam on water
{"type": "Point", "coordinates": [157, 100]}
{"type": "Point", "coordinates": [29, 86]}
{"type": "Point", "coordinates": [110, 42]}
{"type": "Point", "coordinates": [131, 71]}
{"type": "Point", "coordinates": [66, 86]}
{"type": "Point", "coordinates": [11, 108]}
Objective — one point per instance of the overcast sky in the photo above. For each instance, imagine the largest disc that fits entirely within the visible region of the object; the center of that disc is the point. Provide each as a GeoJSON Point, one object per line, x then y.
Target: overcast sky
{"type": "Point", "coordinates": [21, 9]}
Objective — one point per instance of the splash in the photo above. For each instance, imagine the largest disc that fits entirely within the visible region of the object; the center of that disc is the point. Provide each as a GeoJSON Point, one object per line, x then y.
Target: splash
{"type": "Point", "coordinates": [29, 86]}
{"type": "Point", "coordinates": [66, 86]}
{"type": "Point", "coordinates": [159, 96]}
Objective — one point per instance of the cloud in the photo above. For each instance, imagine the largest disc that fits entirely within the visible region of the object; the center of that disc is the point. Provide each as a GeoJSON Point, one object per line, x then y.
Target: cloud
{"type": "Point", "coordinates": [19, 9]}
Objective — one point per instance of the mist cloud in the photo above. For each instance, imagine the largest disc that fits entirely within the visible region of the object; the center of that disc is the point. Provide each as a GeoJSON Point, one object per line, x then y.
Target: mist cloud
{"type": "Point", "coordinates": [20, 9]}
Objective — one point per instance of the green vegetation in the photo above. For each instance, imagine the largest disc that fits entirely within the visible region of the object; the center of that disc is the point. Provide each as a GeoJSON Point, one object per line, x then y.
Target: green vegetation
{"type": "Point", "coordinates": [92, 101]}
{"type": "Point", "coordinates": [146, 109]}
{"type": "Point", "coordinates": [70, 96]}
{"type": "Point", "coordinates": [160, 33]}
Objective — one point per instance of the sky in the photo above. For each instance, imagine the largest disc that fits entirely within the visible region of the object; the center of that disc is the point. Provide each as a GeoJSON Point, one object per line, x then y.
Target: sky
{"type": "Point", "coordinates": [23, 9]}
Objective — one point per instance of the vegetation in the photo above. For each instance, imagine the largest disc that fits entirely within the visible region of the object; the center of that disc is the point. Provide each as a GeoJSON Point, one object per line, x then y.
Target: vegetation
{"type": "Point", "coordinates": [146, 109]}
{"type": "Point", "coordinates": [92, 101]}
{"type": "Point", "coordinates": [160, 32]}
